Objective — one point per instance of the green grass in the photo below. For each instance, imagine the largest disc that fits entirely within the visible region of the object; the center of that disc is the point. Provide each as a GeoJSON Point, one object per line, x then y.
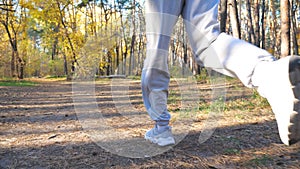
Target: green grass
{"type": "Point", "coordinates": [247, 103]}
{"type": "Point", "coordinates": [21, 83]}
{"type": "Point", "coordinates": [232, 151]}
{"type": "Point", "coordinates": [54, 77]}
{"type": "Point", "coordinates": [134, 77]}
{"type": "Point", "coordinates": [260, 161]}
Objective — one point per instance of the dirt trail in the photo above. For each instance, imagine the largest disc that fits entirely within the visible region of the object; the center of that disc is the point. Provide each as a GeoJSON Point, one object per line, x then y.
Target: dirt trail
{"type": "Point", "coordinates": [39, 128]}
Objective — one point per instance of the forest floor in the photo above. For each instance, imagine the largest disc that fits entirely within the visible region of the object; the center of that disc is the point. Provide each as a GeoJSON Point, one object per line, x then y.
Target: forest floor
{"type": "Point", "coordinates": [53, 124]}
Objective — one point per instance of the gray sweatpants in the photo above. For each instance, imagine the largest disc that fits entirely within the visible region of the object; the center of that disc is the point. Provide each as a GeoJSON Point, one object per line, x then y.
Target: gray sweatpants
{"type": "Point", "coordinates": [212, 49]}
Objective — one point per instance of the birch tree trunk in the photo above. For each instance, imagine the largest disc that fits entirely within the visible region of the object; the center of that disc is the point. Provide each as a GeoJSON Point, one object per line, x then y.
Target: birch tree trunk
{"type": "Point", "coordinates": [234, 18]}
{"type": "Point", "coordinates": [285, 27]}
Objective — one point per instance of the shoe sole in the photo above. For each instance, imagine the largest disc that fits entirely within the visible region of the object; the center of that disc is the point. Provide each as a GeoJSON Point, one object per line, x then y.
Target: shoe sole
{"type": "Point", "coordinates": [294, 76]}
{"type": "Point", "coordinates": [161, 141]}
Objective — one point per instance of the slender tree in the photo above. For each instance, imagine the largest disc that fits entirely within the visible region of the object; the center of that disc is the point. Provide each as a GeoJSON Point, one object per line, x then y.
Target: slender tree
{"type": "Point", "coordinates": [251, 37]}
{"type": "Point", "coordinates": [295, 46]}
{"type": "Point", "coordinates": [13, 26]}
{"type": "Point", "coordinates": [234, 18]}
{"type": "Point", "coordinates": [257, 22]}
{"type": "Point", "coordinates": [273, 27]}
{"type": "Point", "coordinates": [223, 15]}
{"type": "Point", "coordinates": [285, 27]}
{"type": "Point", "coordinates": [263, 10]}
{"type": "Point", "coordinates": [133, 38]}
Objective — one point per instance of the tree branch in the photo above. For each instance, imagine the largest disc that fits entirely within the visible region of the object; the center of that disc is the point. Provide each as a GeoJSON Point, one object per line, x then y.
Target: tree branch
{"type": "Point", "coordinates": [6, 9]}
{"type": "Point", "coordinates": [6, 4]}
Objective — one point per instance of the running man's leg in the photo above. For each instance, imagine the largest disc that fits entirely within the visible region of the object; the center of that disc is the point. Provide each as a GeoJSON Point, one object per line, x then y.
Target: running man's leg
{"type": "Point", "coordinates": [220, 52]}
{"type": "Point", "coordinates": [278, 81]}
{"type": "Point", "coordinates": [161, 16]}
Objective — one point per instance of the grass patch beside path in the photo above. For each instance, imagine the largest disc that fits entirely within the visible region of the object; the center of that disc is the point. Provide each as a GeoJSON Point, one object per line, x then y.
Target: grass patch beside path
{"type": "Point", "coordinates": [21, 83]}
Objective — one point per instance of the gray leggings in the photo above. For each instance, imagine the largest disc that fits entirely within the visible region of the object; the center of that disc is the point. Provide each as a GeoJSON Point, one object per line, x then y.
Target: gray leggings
{"type": "Point", "coordinates": [212, 49]}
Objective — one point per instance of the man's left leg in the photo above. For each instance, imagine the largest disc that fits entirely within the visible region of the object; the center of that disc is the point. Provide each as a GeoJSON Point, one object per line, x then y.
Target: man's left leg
{"type": "Point", "coordinates": [161, 16]}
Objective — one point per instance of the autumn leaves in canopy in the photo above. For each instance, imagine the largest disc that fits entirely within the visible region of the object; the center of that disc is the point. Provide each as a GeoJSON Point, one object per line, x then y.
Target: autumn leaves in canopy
{"type": "Point", "coordinates": [41, 38]}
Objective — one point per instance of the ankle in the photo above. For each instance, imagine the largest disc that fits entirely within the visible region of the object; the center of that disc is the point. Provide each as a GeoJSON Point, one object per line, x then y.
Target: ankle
{"type": "Point", "coordinates": [162, 128]}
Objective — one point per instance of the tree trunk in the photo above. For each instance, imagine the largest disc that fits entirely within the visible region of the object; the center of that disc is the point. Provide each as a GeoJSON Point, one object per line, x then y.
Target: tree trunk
{"type": "Point", "coordinates": [256, 20]}
{"type": "Point", "coordinates": [55, 43]}
{"type": "Point", "coordinates": [21, 68]}
{"type": "Point", "coordinates": [13, 65]}
{"type": "Point", "coordinates": [234, 18]}
{"type": "Point", "coordinates": [15, 60]}
{"type": "Point", "coordinates": [11, 33]}
{"type": "Point", "coordinates": [250, 24]}
{"type": "Point", "coordinates": [273, 27]}
{"type": "Point", "coordinates": [285, 27]}
{"type": "Point", "coordinates": [133, 37]}
{"type": "Point", "coordinates": [117, 57]}
{"type": "Point", "coordinates": [74, 61]}
{"type": "Point", "coordinates": [65, 64]}
{"type": "Point", "coordinates": [295, 47]}
{"type": "Point", "coordinates": [263, 6]}
{"type": "Point", "coordinates": [223, 15]}
{"type": "Point", "coordinates": [124, 51]}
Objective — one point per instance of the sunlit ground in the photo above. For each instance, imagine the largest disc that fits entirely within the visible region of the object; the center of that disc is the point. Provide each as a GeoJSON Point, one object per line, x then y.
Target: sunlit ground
{"type": "Point", "coordinates": [41, 129]}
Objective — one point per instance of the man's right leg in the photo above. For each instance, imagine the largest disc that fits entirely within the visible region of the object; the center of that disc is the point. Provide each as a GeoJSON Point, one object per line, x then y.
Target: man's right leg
{"type": "Point", "coordinates": [161, 16]}
{"type": "Point", "coordinates": [278, 81]}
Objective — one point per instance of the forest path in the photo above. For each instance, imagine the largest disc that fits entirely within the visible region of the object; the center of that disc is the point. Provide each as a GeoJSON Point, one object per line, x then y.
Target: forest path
{"type": "Point", "coordinates": [40, 128]}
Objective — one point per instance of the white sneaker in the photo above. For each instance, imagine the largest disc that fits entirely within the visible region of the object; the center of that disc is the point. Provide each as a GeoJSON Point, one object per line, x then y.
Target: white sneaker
{"type": "Point", "coordinates": [161, 138]}
{"type": "Point", "coordinates": [281, 87]}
